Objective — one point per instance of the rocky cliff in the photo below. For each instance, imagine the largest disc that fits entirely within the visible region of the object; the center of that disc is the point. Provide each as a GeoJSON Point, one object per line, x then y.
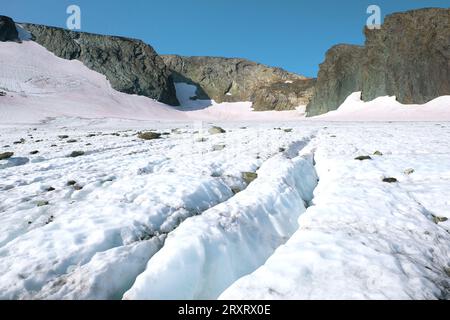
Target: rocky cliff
{"type": "Point", "coordinates": [8, 31]}
{"type": "Point", "coordinates": [409, 57]}
{"type": "Point", "coordinates": [232, 80]}
{"type": "Point", "coordinates": [130, 65]}
{"type": "Point", "coordinates": [339, 76]}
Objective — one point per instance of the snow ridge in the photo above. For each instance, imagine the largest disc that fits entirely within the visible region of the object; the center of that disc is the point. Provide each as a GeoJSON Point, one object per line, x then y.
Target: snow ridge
{"type": "Point", "coordinates": [207, 253]}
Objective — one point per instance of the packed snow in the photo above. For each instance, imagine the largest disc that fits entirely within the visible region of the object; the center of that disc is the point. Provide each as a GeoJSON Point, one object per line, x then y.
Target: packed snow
{"type": "Point", "coordinates": [65, 218]}
{"type": "Point", "coordinates": [209, 252]}
{"type": "Point", "coordinates": [388, 109]}
{"type": "Point", "coordinates": [165, 219]}
{"type": "Point", "coordinates": [89, 210]}
{"type": "Point", "coordinates": [364, 238]}
{"type": "Point", "coordinates": [40, 85]}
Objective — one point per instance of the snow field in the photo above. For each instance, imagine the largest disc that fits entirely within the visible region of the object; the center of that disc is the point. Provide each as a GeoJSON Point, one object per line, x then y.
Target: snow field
{"type": "Point", "coordinates": [128, 194]}
{"type": "Point", "coordinates": [364, 238]}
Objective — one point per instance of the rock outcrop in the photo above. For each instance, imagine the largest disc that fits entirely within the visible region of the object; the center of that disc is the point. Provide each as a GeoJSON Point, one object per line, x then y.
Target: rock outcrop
{"type": "Point", "coordinates": [232, 80]}
{"type": "Point", "coordinates": [409, 57]}
{"type": "Point", "coordinates": [131, 66]}
{"type": "Point", "coordinates": [8, 31]}
{"type": "Point", "coordinates": [339, 76]}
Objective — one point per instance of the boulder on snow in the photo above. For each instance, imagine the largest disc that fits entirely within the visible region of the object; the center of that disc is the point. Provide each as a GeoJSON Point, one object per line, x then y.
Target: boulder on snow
{"type": "Point", "coordinates": [437, 219]}
{"type": "Point", "coordinates": [447, 271]}
{"type": "Point", "coordinates": [249, 176]}
{"type": "Point", "coordinates": [361, 158]}
{"type": "Point", "coordinates": [218, 147]}
{"type": "Point", "coordinates": [6, 155]}
{"type": "Point", "coordinates": [149, 135]}
{"type": "Point", "coordinates": [42, 203]}
{"type": "Point", "coordinates": [75, 154]}
{"type": "Point", "coordinates": [216, 130]}
{"type": "Point", "coordinates": [21, 141]}
{"type": "Point", "coordinates": [390, 180]}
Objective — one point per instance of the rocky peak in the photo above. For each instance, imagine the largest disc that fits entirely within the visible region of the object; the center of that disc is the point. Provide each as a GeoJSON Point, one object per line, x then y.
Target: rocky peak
{"type": "Point", "coordinates": [339, 76]}
{"type": "Point", "coordinates": [409, 57]}
{"type": "Point", "coordinates": [233, 79]}
{"type": "Point", "coordinates": [8, 31]}
{"type": "Point", "coordinates": [130, 65]}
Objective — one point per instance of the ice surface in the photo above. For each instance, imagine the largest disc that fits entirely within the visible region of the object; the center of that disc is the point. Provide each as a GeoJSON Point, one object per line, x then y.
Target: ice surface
{"type": "Point", "coordinates": [364, 238]}
{"type": "Point", "coordinates": [207, 253]}
{"type": "Point", "coordinates": [126, 191]}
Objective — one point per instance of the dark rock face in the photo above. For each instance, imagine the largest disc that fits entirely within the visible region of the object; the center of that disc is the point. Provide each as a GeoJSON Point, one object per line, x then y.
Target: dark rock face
{"type": "Point", "coordinates": [339, 76]}
{"type": "Point", "coordinates": [8, 31]}
{"type": "Point", "coordinates": [409, 57]}
{"type": "Point", "coordinates": [232, 80]}
{"type": "Point", "coordinates": [283, 95]}
{"type": "Point", "coordinates": [130, 65]}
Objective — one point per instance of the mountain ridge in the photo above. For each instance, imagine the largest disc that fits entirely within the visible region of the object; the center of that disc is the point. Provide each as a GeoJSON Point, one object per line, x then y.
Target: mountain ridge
{"type": "Point", "coordinates": [236, 79]}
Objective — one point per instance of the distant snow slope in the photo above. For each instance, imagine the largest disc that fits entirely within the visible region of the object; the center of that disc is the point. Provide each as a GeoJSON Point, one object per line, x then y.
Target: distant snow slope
{"type": "Point", "coordinates": [41, 85]}
{"type": "Point", "coordinates": [388, 109]}
{"type": "Point", "coordinates": [228, 111]}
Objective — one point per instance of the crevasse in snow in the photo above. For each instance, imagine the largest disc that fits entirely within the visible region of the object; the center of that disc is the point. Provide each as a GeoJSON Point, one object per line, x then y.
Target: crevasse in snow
{"type": "Point", "coordinates": [209, 252]}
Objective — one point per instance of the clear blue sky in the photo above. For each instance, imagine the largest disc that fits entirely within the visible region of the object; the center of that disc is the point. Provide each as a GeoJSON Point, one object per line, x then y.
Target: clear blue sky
{"type": "Point", "coordinates": [292, 34]}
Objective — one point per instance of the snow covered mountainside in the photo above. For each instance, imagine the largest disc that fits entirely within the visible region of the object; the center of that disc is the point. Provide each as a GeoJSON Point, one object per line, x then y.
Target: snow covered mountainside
{"type": "Point", "coordinates": [38, 85]}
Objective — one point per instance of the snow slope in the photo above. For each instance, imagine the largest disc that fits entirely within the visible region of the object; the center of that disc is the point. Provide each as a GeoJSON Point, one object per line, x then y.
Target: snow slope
{"type": "Point", "coordinates": [228, 111]}
{"type": "Point", "coordinates": [41, 85]}
{"type": "Point", "coordinates": [388, 109]}
{"type": "Point", "coordinates": [364, 238]}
